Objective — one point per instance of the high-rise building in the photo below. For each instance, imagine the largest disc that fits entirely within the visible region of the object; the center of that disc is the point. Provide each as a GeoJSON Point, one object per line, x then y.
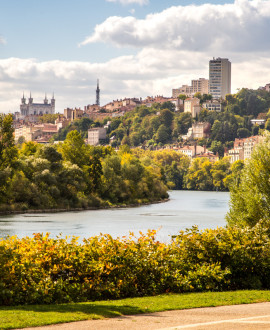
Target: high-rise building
{"type": "Point", "coordinates": [219, 77]}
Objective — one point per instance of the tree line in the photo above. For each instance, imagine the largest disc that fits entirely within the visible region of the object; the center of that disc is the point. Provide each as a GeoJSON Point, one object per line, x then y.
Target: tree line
{"type": "Point", "coordinates": [72, 174]}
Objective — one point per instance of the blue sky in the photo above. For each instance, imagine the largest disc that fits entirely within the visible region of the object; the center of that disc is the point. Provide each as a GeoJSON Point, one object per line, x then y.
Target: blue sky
{"type": "Point", "coordinates": [135, 47]}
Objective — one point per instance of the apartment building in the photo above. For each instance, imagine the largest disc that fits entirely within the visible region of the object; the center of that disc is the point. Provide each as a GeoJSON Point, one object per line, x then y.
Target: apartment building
{"type": "Point", "coordinates": [33, 132]}
{"type": "Point", "coordinates": [197, 151]}
{"type": "Point", "coordinates": [200, 85]}
{"type": "Point", "coordinates": [185, 89]}
{"type": "Point", "coordinates": [192, 105]}
{"type": "Point", "coordinates": [219, 77]}
{"type": "Point", "coordinates": [95, 135]}
{"type": "Point", "coordinates": [243, 148]}
{"type": "Point", "coordinates": [213, 105]}
{"type": "Point", "coordinates": [201, 130]}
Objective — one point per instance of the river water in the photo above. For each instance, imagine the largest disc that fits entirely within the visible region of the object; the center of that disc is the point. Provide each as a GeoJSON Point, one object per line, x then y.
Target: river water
{"type": "Point", "coordinates": [183, 210]}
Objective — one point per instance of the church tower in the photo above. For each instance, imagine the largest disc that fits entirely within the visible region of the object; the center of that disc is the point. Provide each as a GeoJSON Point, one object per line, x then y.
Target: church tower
{"type": "Point", "coordinates": [45, 100]}
{"type": "Point", "coordinates": [98, 94]}
{"type": "Point", "coordinates": [23, 99]}
{"type": "Point", "coordinates": [30, 99]}
{"type": "Point", "coordinates": [53, 104]}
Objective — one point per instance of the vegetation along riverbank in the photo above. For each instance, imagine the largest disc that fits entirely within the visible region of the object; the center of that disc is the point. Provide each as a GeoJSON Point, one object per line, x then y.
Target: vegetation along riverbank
{"type": "Point", "coordinates": [72, 175]}
{"type": "Point", "coordinates": [43, 270]}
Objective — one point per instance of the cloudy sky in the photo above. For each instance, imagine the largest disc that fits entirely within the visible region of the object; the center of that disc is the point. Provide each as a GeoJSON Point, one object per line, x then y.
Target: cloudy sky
{"type": "Point", "coordinates": [135, 47]}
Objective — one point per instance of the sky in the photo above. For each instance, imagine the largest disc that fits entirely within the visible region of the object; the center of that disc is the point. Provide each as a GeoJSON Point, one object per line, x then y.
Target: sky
{"type": "Point", "coordinates": [136, 48]}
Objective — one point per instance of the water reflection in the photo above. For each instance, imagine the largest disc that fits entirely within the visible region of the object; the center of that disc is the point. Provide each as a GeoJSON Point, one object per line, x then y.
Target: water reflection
{"type": "Point", "coordinates": [185, 209]}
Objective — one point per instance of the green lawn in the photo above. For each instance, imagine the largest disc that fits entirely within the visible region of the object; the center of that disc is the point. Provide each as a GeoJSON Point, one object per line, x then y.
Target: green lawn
{"type": "Point", "coordinates": [37, 315]}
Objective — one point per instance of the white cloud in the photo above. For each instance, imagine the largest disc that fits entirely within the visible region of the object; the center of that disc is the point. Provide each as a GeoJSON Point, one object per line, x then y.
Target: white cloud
{"type": "Point", "coordinates": [241, 26]}
{"type": "Point", "coordinates": [174, 46]}
{"type": "Point", "coordinates": [128, 2]}
{"type": "Point", "coordinates": [150, 72]}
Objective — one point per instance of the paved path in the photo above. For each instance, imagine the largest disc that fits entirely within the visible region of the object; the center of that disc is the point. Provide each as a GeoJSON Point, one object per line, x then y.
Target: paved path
{"type": "Point", "coordinates": [252, 316]}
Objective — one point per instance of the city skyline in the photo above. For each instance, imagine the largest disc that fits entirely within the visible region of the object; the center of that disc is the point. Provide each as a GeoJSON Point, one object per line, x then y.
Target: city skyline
{"type": "Point", "coordinates": [135, 47]}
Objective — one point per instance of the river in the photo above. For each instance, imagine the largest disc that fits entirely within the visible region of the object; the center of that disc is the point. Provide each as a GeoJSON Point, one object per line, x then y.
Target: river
{"type": "Point", "coordinates": [183, 210]}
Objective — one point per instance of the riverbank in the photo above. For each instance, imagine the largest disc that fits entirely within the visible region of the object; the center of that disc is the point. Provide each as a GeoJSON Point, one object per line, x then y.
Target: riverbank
{"type": "Point", "coordinates": [102, 207]}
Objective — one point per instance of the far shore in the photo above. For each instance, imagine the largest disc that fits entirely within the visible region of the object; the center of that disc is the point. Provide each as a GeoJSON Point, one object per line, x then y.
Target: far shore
{"type": "Point", "coordinates": [2, 213]}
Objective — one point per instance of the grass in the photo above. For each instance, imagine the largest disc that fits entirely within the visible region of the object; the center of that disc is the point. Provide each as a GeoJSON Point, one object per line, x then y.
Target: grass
{"type": "Point", "coordinates": [38, 315]}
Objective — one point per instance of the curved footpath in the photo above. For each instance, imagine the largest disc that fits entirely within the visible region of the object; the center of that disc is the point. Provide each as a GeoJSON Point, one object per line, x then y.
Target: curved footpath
{"type": "Point", "coordinates": [252, 316]}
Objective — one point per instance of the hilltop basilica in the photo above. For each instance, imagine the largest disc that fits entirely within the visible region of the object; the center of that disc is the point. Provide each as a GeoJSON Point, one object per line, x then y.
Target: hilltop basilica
{"type": "Point", "coordinates": [36, 108]}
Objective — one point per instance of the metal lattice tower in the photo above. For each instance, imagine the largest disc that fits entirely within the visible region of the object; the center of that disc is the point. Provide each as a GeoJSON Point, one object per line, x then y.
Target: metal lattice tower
{"type": "Point", "coordinates": [98, 94]}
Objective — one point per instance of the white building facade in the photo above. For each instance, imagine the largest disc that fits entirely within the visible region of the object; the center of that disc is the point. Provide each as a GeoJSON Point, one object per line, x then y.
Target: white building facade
{"type": "Point", "coordinates": [39, 109]}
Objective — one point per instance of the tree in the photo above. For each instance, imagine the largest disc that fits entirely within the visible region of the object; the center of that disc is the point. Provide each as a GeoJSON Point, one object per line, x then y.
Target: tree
{"type": "Point", "coordinates": [182, 123]}
{"type": "Point", "coordinates": [168, 105]}
{"type": "Point", "coordinates": [199, 175]}
{"type": "Point", "coordinates": [243, 133]}
{"type": "Point", "coordinates": [182, 97]}
{"type": "Point", "coordinates": [198, 95]}
{"type": "Point", "coordinates": [166, 117]}
{"type": "Point", "coordinates": [267, 124]}
{"type": "Point", "coordinates": [8, 150]}
{"type": "Point", "coordinates": [48, 118]}
{"type": "Point", "coordinates": [234, 177]}
{"type": "Point", "coordinates": [217, 147]}
{"type": "Point", "coordinates": [250, 198]}
{"type": "Point", "coordinates": [29, 148]}
{"type": "Point", "coordinates": [255, 129]}
{"type": "Point", "coordinates": [74, 149]}
{"type": "Point", "coordinates": [220, 170]}
{"type": "Point", "coordinates": [162, 134]}
{"type": "Point", "coordinates": [21, 140]}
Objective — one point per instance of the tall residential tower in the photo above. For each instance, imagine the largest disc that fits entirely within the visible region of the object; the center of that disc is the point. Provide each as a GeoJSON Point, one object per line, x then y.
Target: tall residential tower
{"type": "Point", "coordinates": [219, 77]}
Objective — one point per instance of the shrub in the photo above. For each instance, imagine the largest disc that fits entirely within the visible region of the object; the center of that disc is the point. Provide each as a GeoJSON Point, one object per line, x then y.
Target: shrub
{"type": "Point", "coordinates": [45, 270]}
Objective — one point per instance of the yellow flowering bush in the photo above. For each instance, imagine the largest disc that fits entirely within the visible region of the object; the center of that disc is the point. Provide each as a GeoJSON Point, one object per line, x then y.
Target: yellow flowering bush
{"type": "Point", "coordinates": [41, 269]}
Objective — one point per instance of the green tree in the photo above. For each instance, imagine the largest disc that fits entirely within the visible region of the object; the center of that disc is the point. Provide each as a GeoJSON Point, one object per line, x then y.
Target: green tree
{"type": "Point", "coordinates": [168, 105]}
{"type": "Point", "coordinates": [48, 118]}
{"type": "Point", "coordinates": [166, 117]}
{"type": "Point", "coordinates": [243, 133]}
{"type": "Point", "coordinates": [220, 170]}
{"type": "Point", "coordinates": [21, 140]}
{"type": "Point", "coordinates": [217, 147]}
{"type": "Point", "coordinates": [162, 134]}
{"type": "Point", "coordinates": [8, 150]}
{"type": "Point", "coordinates": [74, 149]}
{"type": "Point", "coordinates": [233, 179]}
{"type": "Point", "coordinates": [267, 124]}
{"type": "Point", "coordinates": [199, 175]}
{"type": "Point", "coordinates": [182, 97]}
{"type": "Point", "coordinates": [182, 123]}
{"type": "Point", "coordinates": [250, 199]}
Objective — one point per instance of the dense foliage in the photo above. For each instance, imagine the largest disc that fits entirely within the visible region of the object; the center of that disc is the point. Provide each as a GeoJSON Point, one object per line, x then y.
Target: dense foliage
{"type": "Point", "coordinates": [72, 175]}
{"type": "Point", "coordinates": [179, 172]}
{"type": "Point", "coordinates": [46, 270]}
{"type": "Point", "coordinates": [250, 193]}
{"type": "Point", "coordinates": [155, 125]}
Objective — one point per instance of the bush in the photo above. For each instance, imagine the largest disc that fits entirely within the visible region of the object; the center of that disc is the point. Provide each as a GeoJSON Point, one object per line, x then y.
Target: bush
{"type": "Point", "coordinates": [46, 270]}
